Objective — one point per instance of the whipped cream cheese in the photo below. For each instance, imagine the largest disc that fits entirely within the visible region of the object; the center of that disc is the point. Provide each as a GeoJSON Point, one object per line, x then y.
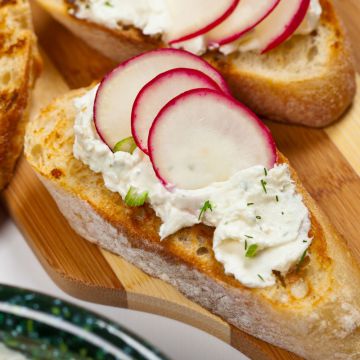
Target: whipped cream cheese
{"type": "Point", "coordinates": [245, 213]}
{"type": "Point", "coordinates": [153, 18]}
{"type": "Point", "coordinates": [148, 15]}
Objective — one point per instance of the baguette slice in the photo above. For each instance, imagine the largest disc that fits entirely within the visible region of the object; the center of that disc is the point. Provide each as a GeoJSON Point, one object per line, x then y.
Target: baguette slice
{"type": "Point", "coordinates": [314, 311]}
{"type": "Point", "coordinates": [20, 64]}
{"type": "Point", "coordinates": [309, 80]}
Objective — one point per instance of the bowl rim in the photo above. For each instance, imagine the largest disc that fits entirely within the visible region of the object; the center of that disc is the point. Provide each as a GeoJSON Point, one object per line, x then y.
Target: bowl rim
{"type": "Point", "coordinates": [20, 301]}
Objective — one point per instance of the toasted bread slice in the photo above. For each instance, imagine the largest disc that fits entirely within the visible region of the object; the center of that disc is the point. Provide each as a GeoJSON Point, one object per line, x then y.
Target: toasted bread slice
{"type": "Point", "coordinates": [314, 311]}
{"type": "Point", "coordinates": [20, 64]}
{"type": "Point", "coordinates": [309, 80]}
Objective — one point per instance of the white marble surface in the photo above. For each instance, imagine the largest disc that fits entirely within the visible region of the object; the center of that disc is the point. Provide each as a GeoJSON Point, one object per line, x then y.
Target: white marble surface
{"type": "Point", "coordinates": [19, 266]}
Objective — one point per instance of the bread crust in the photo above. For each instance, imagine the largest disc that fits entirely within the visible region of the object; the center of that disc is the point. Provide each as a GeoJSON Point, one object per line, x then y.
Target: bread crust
{"type": "Point", "coordinates": [314, 101]}
{"type": "Point", "coordinates": [327, 307]}
{"type": "Point", "coordinates": [18, 50]}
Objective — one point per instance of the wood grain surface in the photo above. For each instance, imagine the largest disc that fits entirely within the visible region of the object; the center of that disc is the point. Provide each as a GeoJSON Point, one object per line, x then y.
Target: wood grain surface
{"type": "Point", "coordinates": [349, 11]}
{"type": "Point", "coordinates": [327, 161]}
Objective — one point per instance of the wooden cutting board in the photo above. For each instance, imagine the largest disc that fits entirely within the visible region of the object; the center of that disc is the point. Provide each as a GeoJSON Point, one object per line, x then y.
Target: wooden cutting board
{"type": "Point", "coordinates": [328, 162]}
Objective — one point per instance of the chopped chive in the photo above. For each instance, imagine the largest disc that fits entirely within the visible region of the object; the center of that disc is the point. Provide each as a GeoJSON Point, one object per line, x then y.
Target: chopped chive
{"type": "Point", "coordinates": [265, 172]}
{"type": "Point", "coordinates": [251, 251]}
{"type": "Point", "coordinates": [246, 245]}
{"type": "Point", "coordinates": [301, 260]}
{"type": "Point", "coordinates": [261, 278]}
{"type": "Point", "coordinates": [277, 198]}
{"type": "Point", "coordinates": [108, 3]}
{"type": "Point", "coordinates": [249, 237]}
{"type": "Point", "coordinates": [207, 206]}
{"type": "Point", "coordinates": [125, 145]}
{"type": "Point", "coordinates": [304, 241]}
{"type": "Point", "coordinates": [282, 213]}
{"type": "Point", "coordinates": [250, 204]}
{"type": "Point", "coordinates": [258, 217]}
{"type": "Point", "coordinates": [134, 199]}
{"type": "Point", "coordinates": [263, 184]}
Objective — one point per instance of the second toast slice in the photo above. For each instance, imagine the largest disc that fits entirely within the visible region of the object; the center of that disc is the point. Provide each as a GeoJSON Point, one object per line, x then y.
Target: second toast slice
{"type": "Point", "coordinates": [308, 80]}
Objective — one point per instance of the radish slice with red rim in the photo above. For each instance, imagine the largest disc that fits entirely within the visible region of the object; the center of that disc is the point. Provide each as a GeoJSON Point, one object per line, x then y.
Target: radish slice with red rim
{"type": "Point", "coordinates": [281, 24]}
{"type": "Point", "coordinates": [203, 136]}
{"type": "Point", "coordinates": [118, 90]}
{"type": "Point", "coordinates": [243, 19]}
{"type": "Point", "coordinates": [157, 93]}
{"type": "Point", "coordinates": [191, 18]}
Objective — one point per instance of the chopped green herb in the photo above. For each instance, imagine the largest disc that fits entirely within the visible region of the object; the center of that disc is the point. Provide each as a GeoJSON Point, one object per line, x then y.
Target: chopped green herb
{"type": "Point", "coordinates": [258, 217]}
{"type": "Point", "coordinates": [251, 251]}
{"type": "Point", "coordinates": [246, 245]}
{"type": "Point", "coordinates": [249, 237]}
{"type": "Point", "coordinates": [265, 172]}
{"type": "Point", "coordinates": [134, 199]}
{"type": "Point", "coordinates": [301, 260]}
{"type": "Point", "coordinates": [261, 278]}
{"type": "Point", "coordinates": [108, 3]}
{"type": "Point", "coordinates": [304, 241]}
{"type": "Point", "coordinates": [207, 206]}
{"type": "Point", "coordinates": [125, 145]}
{"type": "Point", "coordinates": [277, 198]}
{"type": "Point", "coordinates": [282, 213]}
{"type": "Point", "coordinates": [263, 184]}
{"type": "Point", "coordinates": [250, 204]}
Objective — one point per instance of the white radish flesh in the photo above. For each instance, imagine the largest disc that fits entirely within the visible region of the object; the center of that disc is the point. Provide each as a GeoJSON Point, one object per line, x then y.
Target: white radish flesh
{"type": "Point", "coordinates": [280, 24]}
{"type": "Point", "coordinates": [244, 18]}
{"type": "Point", "coordinates": [189, 18]}
{"type": "Point", "coordinates": [118, 90]}
{"type": "Point", "coordinates": [157, 93]}
{"type": "Point", "coordinates": [204, 136]}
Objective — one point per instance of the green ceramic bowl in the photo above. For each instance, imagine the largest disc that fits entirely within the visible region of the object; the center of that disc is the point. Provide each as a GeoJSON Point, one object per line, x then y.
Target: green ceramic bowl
{"type": "Point", "coordinates": [41, 327]}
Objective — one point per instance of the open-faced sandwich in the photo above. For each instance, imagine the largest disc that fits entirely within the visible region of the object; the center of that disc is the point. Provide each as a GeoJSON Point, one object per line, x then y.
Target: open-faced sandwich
{"type": "Point", "coordinates": [288, 60]}
{"type": "Point", "coordinates": [19, 66]}
{"type": "Point", "coordinates": [160, 164]}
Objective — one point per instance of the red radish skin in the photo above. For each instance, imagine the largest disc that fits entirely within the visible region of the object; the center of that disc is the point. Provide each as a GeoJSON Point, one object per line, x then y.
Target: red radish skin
{"type": "Point", "coordinates": [291, 27]}
{"type": "Point", "coordinates": [110, 126]}
{"type": "Point", "coordinates": [215, 39]}
{"type": "Point", "coordinates": [166, 115]}
{"type": "Point", "coordinates": [209, 26]}
{"type": "Point", "coordinates": [164, 88]}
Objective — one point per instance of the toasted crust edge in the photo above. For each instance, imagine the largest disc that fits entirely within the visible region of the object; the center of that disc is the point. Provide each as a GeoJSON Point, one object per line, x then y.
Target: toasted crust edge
{"type": "Point", "coordinates": [314, 102]}
{"type": "Point", "coordinates": [239, 307]}
{"type": "Point", "coordinates": [13, 122]}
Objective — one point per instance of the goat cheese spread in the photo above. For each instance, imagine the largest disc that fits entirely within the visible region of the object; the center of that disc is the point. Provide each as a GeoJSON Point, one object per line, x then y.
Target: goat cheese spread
{"type": "Point", "coordinates": [256, 209]}
{"type": "Point", "coordinates": [153, 18]}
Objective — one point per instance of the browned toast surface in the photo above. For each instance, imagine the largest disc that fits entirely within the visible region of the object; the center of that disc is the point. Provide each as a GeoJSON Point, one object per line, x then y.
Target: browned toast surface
{"type": "Point", "coordinates": [317, 81]}
{"type": "Point", "coordinates": [19, 66]}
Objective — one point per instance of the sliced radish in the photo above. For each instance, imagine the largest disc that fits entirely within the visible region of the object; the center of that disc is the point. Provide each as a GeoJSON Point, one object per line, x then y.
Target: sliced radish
{"type": "Point", "coordinates": [280, 24]}
{"type": "Point", "coordinates": [204, 136]}
{"type": "Point", "coordinates": [118, 90]}
{"type": "Point", "coordinates": [157, 93]}
{"type": "Point", "coordinates": [191, 18]}
{"type": "Point", "coordinates": [243, 19]}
